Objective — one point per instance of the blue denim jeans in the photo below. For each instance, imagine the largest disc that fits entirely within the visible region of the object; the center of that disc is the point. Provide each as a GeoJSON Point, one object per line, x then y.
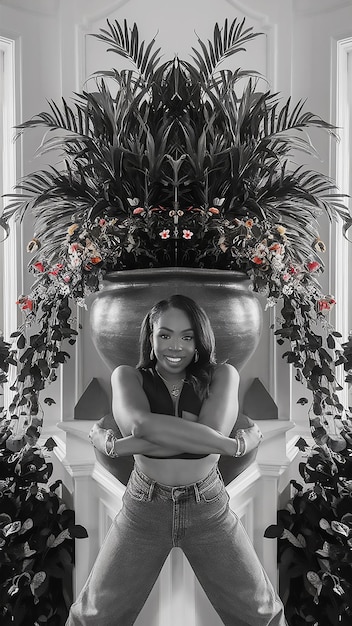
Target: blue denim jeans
{"type": "Point", "coordinates": [197, 518]}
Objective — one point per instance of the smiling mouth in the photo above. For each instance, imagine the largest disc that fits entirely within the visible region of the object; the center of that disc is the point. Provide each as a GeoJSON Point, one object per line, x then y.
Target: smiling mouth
{"type": "Point", "coordinates": [173, 359]}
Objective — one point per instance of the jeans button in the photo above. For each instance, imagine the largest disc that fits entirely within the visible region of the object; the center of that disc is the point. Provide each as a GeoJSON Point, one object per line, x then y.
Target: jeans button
{"type": "Point", "coordinates": [177, 493]}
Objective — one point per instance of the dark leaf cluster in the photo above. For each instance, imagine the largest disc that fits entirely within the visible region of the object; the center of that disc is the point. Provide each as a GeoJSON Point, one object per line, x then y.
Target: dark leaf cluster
{"type": "Point", "coordinates": [315, 539]}
{"type": "Point", "coordinates": [37, 535]}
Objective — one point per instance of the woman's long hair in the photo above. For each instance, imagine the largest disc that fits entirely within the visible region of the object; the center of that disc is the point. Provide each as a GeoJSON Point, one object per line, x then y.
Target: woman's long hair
{"type": "Point", "coordinates": [200, 372]}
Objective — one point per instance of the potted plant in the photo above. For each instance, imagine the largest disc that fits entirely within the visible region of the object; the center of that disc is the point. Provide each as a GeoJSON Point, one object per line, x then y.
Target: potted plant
{"type": "Point", "coordinates": [172, 164]}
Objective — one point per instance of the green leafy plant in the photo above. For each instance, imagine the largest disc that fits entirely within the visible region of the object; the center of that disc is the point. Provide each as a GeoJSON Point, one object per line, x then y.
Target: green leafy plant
{"type": "Point", "coordinates": [314, 531]}
{"type": "Point", "coordinates": [315, 538]}
{"type": "Point", "coordinates": [37, 534]}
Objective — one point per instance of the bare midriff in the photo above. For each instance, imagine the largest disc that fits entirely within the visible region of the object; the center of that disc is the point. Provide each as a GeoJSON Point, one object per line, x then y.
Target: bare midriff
{"type": "Point", "coordinates": [176, 471]}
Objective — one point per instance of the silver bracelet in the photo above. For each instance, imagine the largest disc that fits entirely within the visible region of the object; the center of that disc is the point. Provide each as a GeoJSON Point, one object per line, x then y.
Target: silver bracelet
{"type": "Point", "coordinates": [110, 440]}
{"type": "Point", "coordinates": [241, 443]}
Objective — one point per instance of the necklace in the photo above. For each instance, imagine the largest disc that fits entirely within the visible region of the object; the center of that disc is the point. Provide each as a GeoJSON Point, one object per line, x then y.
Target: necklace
{"type": "Point", "coordinates": [175, 387]}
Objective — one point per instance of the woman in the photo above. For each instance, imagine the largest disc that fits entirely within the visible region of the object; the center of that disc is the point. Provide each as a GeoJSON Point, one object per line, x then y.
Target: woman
{"type": "Point", "coordinates": [175, 412]}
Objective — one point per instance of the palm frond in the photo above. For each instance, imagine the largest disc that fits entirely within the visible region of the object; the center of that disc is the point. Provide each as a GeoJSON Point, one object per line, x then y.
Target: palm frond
{"type": "Point", "coordinates": [73, 121]}
{"type": "Point", "coordinates": [226, 42]}
{"type": "Point", "coordinates": [125, 42]}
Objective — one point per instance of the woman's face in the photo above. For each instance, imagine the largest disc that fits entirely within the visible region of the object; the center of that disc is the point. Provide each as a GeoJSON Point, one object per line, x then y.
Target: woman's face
{"type": "Point", "coordinates": [173, 341]}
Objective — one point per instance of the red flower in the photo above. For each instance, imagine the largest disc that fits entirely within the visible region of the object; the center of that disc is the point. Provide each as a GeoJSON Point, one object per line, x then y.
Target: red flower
{"type": "Point", "coordinates": [25, 303]}
{"type": "Point", "coordinates": [257, 260]}
{"type": "Point", "coordinates": [293, 270]}
{"type": "Point", "coordinates": [326, 303]}
{"type": "Point", "coordinates": [312, 266]}
{"type": "Point", "coordinates": [138, 211]}
{"type": "Point", "coordinates": [214, 210]}
{"type": "Point", "coordinates": [95, 259]}
{"type": "Point", "coordinates": [276, 247]}
{"type": "Point", "coordinates": [165, 234]}
{"type": "Point", "coordinates": [187, 234]}
{"type": "Point", "coordinates": [39, 266]}
{"type": "Point", "coordinates": [74, 247]}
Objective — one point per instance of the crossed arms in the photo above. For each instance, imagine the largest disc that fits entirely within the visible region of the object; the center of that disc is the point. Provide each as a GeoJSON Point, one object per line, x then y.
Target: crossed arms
{"type": "Point", "coordinates": [160, 434]}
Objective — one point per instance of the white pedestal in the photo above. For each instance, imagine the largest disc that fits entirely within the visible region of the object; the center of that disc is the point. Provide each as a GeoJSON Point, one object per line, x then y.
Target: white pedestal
{"type": "Point", "coordinates": [177, 597]}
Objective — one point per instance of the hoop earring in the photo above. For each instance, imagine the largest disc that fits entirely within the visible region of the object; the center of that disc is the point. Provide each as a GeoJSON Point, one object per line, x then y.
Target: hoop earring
{"type": "Point", "coordinates": [196, 356]}
{"type": "Point", "coordinates": [152, 355]}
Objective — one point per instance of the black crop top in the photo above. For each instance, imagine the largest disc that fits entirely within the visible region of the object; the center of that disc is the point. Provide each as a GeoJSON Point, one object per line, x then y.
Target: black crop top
{"type": "Point", "coordinates": [161, 402]}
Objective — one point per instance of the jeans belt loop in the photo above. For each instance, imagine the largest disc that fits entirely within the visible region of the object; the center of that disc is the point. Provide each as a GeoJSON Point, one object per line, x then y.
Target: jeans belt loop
{"type": "Point", "coordinates": [151, 490]}
{"type": "Point", "coordinates": [196, 492]}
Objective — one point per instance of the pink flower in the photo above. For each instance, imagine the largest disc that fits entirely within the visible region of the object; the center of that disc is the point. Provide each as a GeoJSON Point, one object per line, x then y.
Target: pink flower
{"type": "Point", "coordinates": [138, 211]}
{"type": "Point", "coordinates": [74, 247]}
{"type": "Point", "coordinates": [25, 303]}
{"type": "Point", "coordinates": [187, 234]}
{"type": "Point", "coordinates": [39, 266]}
{"type": "Point", "coordinates": [293, 270]}
{"type": "Point", "coordinates": [276, 247]}
{"type": "Point", "coordinates": [165, 234]}
{"type": "Point", "coordinates": [214, 210]}
{"type": "Point", "coordinates": [312, 266]}
{"type": "Point", "coordinates": [326, 303]}
{"type": "Point", "coordinates": [56, 269]}
{"type": "Point", "coordinates": [67, 278]}
{"type": "Point", "coordinates": [102, 222]}
{"type": "Point", "coordinates": [286, 277]}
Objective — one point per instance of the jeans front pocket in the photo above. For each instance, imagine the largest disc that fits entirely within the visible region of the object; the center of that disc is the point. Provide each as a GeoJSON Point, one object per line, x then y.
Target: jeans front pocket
{"type": "Point", "coordinates": [137, 489]}
{"type": "Point", "coordinates": [214, 492]}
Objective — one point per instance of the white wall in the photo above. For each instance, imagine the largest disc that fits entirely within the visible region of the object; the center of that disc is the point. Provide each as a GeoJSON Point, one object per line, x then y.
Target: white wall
{"type": "Point", "coordinates": [56, 55]}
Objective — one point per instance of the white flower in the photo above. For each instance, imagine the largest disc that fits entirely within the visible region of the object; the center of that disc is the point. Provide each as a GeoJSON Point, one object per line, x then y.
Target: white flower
{"type": "Point", "coordinates": [271, 301]}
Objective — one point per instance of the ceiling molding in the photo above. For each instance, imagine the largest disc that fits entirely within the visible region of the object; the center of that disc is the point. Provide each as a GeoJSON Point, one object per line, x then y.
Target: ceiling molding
{"type": "Point", "coordinates": [262, 18]}
{"type": "Point", "coordinates": [36, 7]}
{"type": "Point", "coordinates": [102, 13]}
{"type": "Point", "coordinates": [318, 7]}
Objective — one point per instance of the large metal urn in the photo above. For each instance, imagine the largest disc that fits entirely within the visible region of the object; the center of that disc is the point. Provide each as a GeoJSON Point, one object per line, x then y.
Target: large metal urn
{"type": "Point", "coordinates": [117, 312]}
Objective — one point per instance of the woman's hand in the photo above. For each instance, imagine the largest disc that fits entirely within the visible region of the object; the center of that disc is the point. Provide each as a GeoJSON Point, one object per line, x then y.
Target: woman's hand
{"type": "Point", "coordinates": [233, 446]}
{"type": "Point", "coordinates": [252, 436]}
{"type": "Point", "coordinates": [97, 436]}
